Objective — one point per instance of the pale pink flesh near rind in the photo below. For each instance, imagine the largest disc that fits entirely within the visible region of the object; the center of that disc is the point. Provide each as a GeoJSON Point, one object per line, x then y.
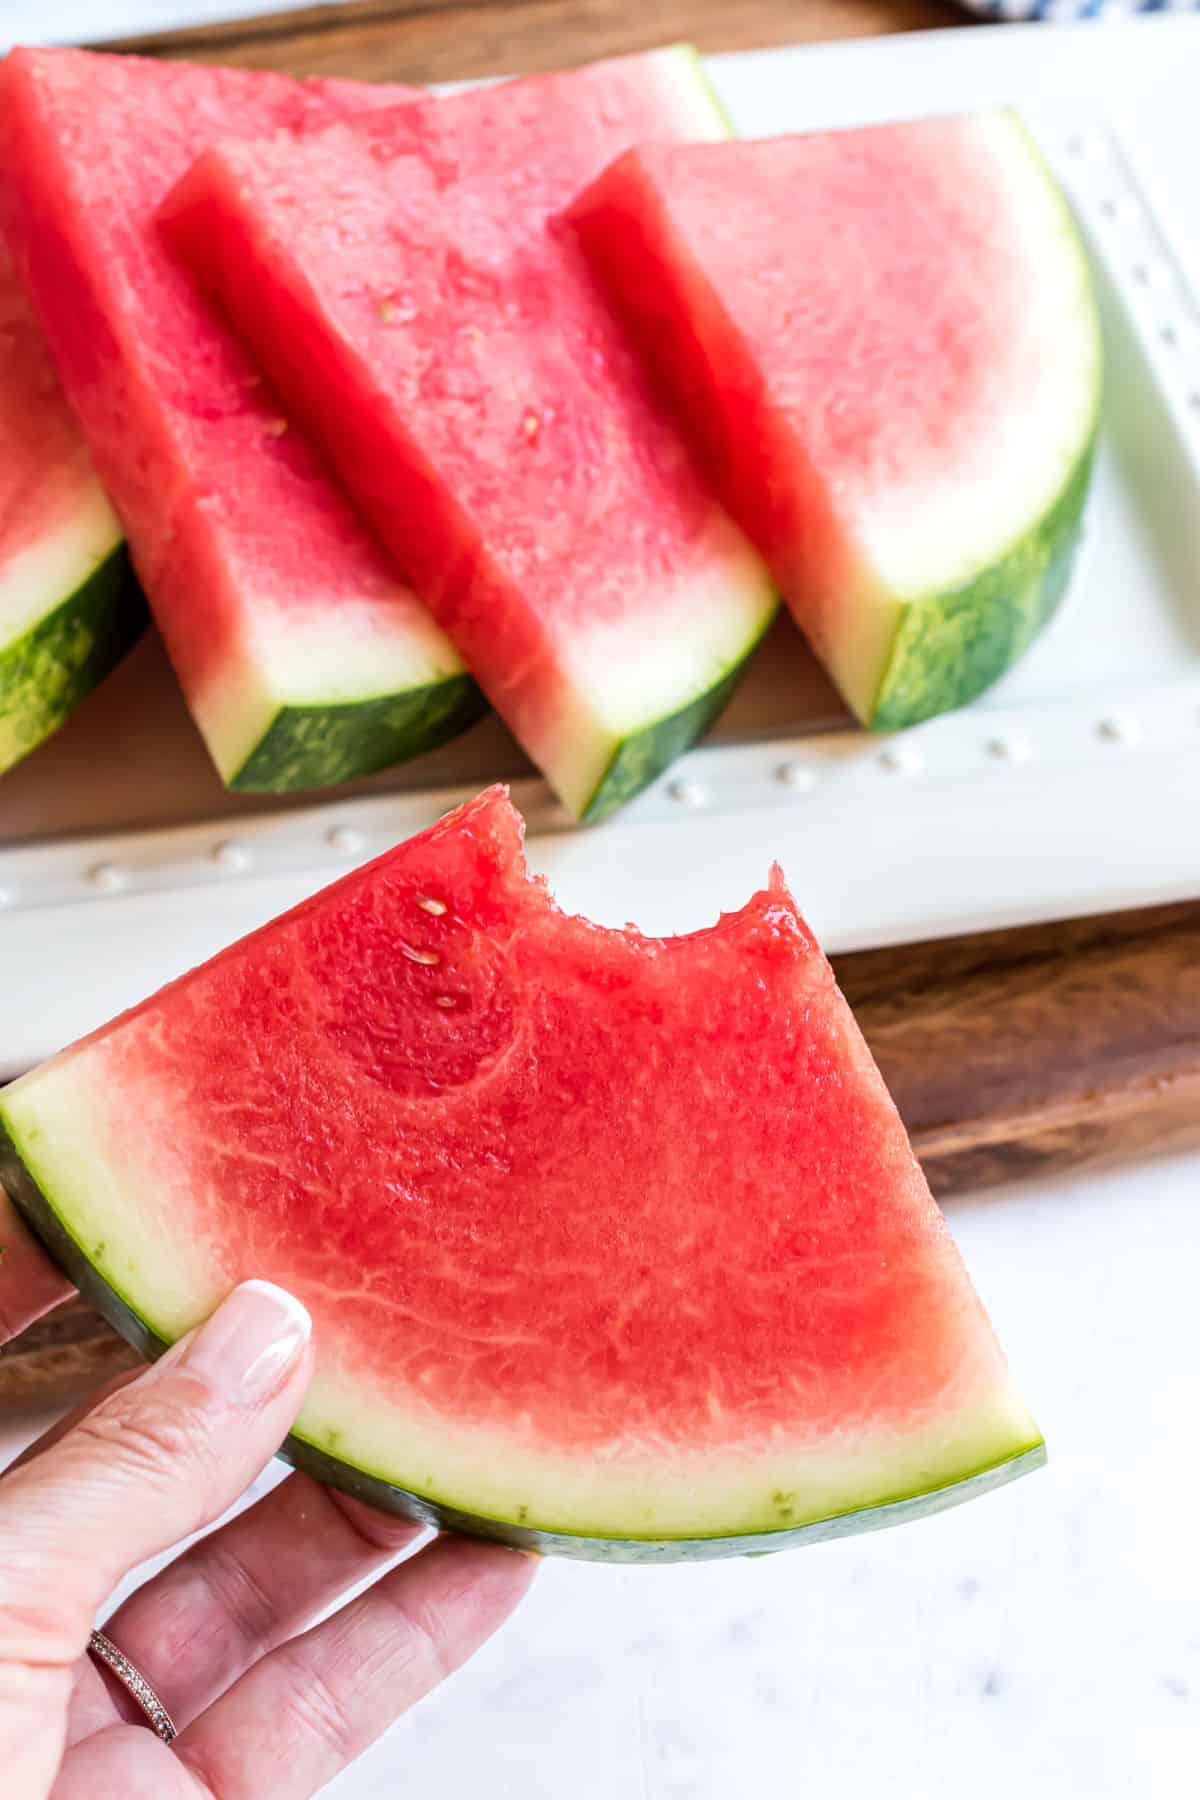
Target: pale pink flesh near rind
{"type": "Point", "coordinates": [885, 346]}
{"type": "Point", "coordinates": [604, 1236]}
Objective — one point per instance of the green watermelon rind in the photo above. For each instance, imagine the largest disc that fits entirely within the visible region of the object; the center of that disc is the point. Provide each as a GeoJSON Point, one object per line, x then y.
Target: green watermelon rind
{"type": "Point", "coordinates": [644, 755]}
{"type": "Point", "coordinates": [20, 1181]}
{"type": "Point", "coordinates": [64, 654]}
{"type": "Point", "coordinates": [323, 744]}
{"type": "Point", "coordinates": [950, 647]}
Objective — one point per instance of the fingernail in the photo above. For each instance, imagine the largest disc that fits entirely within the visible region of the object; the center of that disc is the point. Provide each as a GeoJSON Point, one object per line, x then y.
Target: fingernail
{"type": "Point", "coordinates": [252, 1342]}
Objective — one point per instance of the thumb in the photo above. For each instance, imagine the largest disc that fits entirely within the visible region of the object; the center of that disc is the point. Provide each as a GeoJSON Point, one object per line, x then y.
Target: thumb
{"type": "Point", "coordinates": [151, 1463]}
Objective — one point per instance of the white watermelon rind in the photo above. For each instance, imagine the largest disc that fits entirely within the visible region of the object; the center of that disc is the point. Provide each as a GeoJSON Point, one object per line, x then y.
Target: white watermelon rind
{"type": "Point", "coordinates": [70, 608]}
{"type": "Point", "coordinates": [995, 1444]}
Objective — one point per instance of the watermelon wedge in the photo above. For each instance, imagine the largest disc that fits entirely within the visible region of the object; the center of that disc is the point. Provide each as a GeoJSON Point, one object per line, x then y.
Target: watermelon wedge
{"type": "Point", "coordinates": [302, 657]}
{"type": "Point", "coordinates": [885, 345]}
{"type": "Point", "coordinates": [69, 606]}
{"type": "Point", "coordinates": [614, 1245]}
{"type": "Point", "coordinates": [399, 279]}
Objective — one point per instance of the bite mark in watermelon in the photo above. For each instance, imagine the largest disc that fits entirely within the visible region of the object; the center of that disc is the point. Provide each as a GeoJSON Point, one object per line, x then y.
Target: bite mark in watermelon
{"type": "Point", "coordinates": [615, 1245]}
{"type": "Point", "coordinates": [399, 278]}
{"type": "Point", "coordinates": [885, 345]}
{"type": "Point", "coordinates": [69, 605]}
{"type": "Point", "coordinates": [303, 658]}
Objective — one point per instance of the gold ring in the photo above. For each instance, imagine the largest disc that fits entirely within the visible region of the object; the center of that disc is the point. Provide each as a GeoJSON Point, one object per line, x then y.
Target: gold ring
{"type": "Point", "coordinates": [135, 1683]}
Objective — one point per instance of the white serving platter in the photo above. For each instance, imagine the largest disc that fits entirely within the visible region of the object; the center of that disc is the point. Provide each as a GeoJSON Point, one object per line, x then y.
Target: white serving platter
{"type": "Point", "coordinates": [1070, 788]}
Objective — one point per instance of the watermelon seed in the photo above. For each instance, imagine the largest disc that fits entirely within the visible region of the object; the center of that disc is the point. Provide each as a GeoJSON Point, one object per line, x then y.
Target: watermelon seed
{"type": "Point", "coordinates": [427, 957]}
{"type": "Point", "coordinates": [531, 425]}
{"type": "Point", "coordinates": [277, 427]}
{"type": "Point", "coordinates": [436, 907]}
{"type": "Point", "coordinates": [386, 312]}
{"type": "Point", "coordinates": [446, 1000]}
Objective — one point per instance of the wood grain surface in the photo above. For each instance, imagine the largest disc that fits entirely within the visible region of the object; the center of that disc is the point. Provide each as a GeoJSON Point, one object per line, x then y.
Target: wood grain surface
{"type": "Point", "coordinates": [446, 40]}
{"type": "Point", "coordinates": [1009, 1053]}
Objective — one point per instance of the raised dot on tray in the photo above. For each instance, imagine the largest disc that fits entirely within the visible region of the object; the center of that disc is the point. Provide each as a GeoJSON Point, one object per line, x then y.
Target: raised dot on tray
{"type": "Point", "coordinates": [685, 793]}
{"type": "Point", "coordinates": [1083, 143]}
{"type": "Point", "coordinates": [1119, 729]}
{"type": "Point", "coordinates": [107, 877]}
{"type": "Point", "coordinates": [1012, 747]}
{"type": "Point", "coordinates": [348, 839]}
{"type": "Point", "coordinates": [231, 855]}
{"type": "Point", "coordinates": [799, 776]}
{"type": "Point", "coordinates": [900, 759]}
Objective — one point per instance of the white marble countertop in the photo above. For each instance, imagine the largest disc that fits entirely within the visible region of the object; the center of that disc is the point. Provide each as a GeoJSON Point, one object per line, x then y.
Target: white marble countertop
{"type": "Point", "coordinates": [1043, 1641]}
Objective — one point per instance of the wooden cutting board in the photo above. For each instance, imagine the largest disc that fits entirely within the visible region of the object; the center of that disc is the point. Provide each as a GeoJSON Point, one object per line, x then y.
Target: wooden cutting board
{"type": "Point", "coordinates": [1009, 1053]}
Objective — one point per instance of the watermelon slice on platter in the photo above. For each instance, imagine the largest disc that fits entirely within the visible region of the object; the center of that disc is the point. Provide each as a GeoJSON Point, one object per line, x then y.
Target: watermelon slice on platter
{"type": "Point", "coordinates": [400, 281]}
{"type": "Point", "coordinates": [614, 1245]}
{"type": "Point", "coordinates": [303, 658]}
{"type": "Point", "coordinates": [69, 605]}
{"type": "Point", "coordinates": [885, 345]}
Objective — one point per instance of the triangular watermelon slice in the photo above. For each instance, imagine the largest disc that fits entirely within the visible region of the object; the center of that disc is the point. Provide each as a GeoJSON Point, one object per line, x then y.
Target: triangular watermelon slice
{"type": "Point", "coordinates": [615, 1245]}
{"type": "Point", "coordinates": [302, 657]}
{"type": "Point", "coordinates": [69, 606]}
{"type": "Point", "coordinates": [885, 346]}
{"type": "Point", "coordinates": [400, 280]}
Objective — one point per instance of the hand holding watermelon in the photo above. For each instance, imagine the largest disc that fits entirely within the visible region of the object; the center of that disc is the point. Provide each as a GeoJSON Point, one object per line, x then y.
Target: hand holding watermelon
{"type": "Point", "coordinates": [259, 1709]}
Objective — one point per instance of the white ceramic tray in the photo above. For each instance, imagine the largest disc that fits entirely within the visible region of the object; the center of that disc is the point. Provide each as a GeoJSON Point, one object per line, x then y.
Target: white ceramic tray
{"type": "Point", "coordinates": [1070, 788]}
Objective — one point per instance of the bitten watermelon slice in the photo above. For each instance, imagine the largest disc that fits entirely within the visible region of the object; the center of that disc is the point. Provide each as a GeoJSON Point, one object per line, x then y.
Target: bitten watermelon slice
{"type": "Point", "coordinates": [303, 658]}
{"type": "Point", "coordinates": [885, 344]}
{"type": "Point", "coordinates": [398, 278]}
{"type": "Point", "coordinates": [614, 1245]}
{"type": "Point", "coordinates": [69, 606]}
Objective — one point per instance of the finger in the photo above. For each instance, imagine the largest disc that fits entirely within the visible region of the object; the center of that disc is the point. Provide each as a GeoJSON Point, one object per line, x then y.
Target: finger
{"type": "Point", "coordinates": [313, 1705]}
{"type": "Point", "coordinates": [256, 1582]}
{"type": "Point", "coordinates": [69, 1420]}
{"type": "Point", "coordinates": [149, 1465]}
{"type": "Point", "coordinates": [97, 1699]}
{"type": "Point", "coordinates": [29, 1282]}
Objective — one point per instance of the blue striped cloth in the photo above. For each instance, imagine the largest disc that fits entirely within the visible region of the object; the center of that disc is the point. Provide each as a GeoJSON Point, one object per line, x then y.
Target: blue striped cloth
{"type": "Point", "coordinates": [1074, 9]}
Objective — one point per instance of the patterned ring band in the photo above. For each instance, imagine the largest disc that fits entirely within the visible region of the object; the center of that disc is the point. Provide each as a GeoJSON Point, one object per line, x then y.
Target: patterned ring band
{"type": "Point", "coordinates": [135, 1682]}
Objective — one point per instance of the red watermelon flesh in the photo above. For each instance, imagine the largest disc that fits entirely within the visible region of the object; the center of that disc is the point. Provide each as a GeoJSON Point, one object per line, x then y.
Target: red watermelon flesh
{"type": "Point", "coordinates": [400, 279]}
{"type": "Point", "coordinates": [885, 346]}
{"type": "Point", "coordinates": [302, 656]}
{"type": "Point", "coordinates": [614, 1239]}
